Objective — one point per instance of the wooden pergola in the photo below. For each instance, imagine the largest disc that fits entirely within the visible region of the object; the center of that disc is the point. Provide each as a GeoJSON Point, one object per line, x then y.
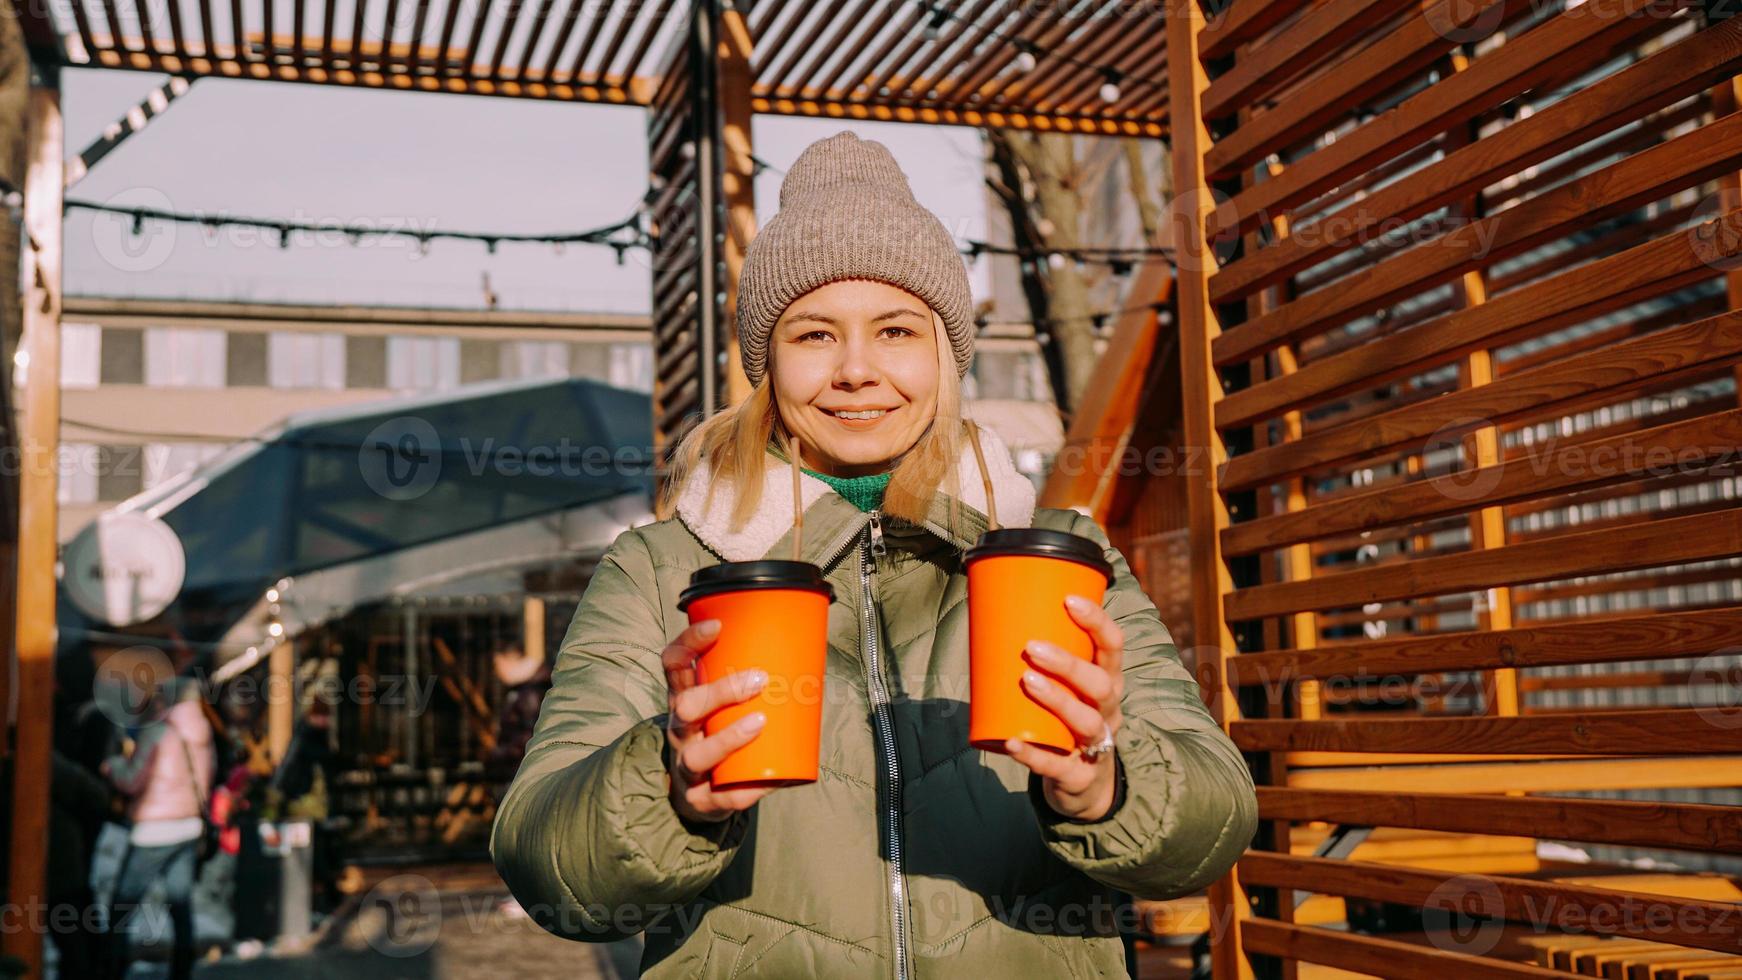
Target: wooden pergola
{"type": "Point", "coordinates": [1342, 407]}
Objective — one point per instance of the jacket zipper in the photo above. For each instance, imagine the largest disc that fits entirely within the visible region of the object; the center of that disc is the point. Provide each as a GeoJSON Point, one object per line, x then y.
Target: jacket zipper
{"type": "Point", "coordinates": [871, 545]}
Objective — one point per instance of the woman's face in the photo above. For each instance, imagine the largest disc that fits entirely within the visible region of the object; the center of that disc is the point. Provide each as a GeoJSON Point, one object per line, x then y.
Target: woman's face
{"type": "Point", "coordinates": [854, 365]}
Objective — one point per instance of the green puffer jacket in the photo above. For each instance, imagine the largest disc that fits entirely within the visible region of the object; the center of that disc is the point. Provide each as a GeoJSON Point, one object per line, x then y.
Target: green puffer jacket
{"type": "Point", "coordinates": [932, 860]}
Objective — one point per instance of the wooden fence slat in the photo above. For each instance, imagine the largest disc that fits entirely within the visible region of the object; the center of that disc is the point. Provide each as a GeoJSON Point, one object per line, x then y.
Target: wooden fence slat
{"type": "Point", "coordinates": [1410, 48]}
{"type": "Point", "coordinates": [1578, 294]}
{"type": "Point", "coordinates": [1322, 32]}
{"type": "Point", "coordinates": [1662, 357]}
{"type": "Point", "coordinates": [1627, 823]}
{"type": "Point", "coordinates": [1639, 179]}
{"type": "Point", "coordinates": [1669, 731]}
{"type": "Point", "coordinates": [1380, 957]}
{"type": "Point", "coordinates": [1659, 80]}
{"type": "Point", "coordinates": [1580, 908]}
{"type": "Point", "coordinates": [1515, 776]}
{"type": "Point", "coordinates": [1551, 468]}
{"type": "Point", "coordinates": [1606, 640]}
{"type": "Point", "coordinates": [1700, 537]}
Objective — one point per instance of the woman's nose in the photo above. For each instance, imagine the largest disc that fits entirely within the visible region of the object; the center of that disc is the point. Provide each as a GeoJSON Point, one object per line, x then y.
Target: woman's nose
{"type": "Point", "coordinates": [856, 368]}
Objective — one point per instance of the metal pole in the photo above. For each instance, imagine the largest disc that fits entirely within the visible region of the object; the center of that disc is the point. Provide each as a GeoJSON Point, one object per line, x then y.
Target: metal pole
{"type": "Point", "coordinates": [705, 118]}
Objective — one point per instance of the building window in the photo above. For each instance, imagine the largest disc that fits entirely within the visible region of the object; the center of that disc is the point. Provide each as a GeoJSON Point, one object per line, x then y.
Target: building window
{"type": "Point", "coordinates": [590, 360]}
{"type": "Point", "coordinates": [423, 363]}
{"type": "Point", "coordinates": [120, 472]}
{"type": "Point", "coordinates": [632, 366]}
{"type": "Point", "coordinates": [78, 473]}
{"type": "Point", "coordinates": [80, 355]}
{"type": "Point", "coordinates": [480, 360]}
{"type": "Point", "coordinates": [305, 360]}
{"type": "Point", "coordinates": [245, 360]}
{"type": "Point", "coordinates": [365, 362]}
{"type": "Point", "coordinates": [122, 356]}
{"type": "Point", "coordinates": [184, 357]}
{"type": "Point", "coordinates": [535, 359]}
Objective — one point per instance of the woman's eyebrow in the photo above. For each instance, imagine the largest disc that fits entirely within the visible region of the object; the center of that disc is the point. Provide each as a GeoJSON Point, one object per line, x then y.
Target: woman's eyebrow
{"type": "Point", "coordinates": [892, 314]}
{"type": "Point", "coordinates": [879, 318]}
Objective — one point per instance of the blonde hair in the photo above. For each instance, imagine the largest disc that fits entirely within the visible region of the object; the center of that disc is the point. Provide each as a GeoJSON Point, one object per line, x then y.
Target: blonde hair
{"type": "Point", "coordinates": [734, 444]}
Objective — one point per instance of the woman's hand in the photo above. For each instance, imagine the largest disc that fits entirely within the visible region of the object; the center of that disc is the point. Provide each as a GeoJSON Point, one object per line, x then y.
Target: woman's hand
{"type": "Point", "coordinates": [693, 753]}
{"type": "Point", "coordinates": [1076, 787]}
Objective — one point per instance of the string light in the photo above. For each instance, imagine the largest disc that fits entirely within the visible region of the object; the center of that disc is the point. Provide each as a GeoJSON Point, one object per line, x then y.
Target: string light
{"type": "Point", "coordinates": [1110, 87]}
{"type": "Point", "coordinates": [623, 235]}
{"type": "Point", "coordinates": [1120, 259]}
{"type": "Point", "coordinates": [1025, 61]}
{"type": "Point", "coordinates": [1099, 318]}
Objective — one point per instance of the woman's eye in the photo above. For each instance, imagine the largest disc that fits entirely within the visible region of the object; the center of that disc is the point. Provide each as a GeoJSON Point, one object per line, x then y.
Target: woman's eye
{"type": "Point", "coordinates": [814, 335]}
{"type": "Point", "coordinates": [898, 332]}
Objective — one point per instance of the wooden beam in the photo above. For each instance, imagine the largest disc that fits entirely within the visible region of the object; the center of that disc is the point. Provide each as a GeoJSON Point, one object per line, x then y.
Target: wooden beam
{"type": "Point", "coordinates": [1110, 406]}
{"type": "Point", "coordinates": [1199, 389]}
{"type": "Point", "coordinates": [943, 115]}
{"type": "Point", "coordinates": [39, 444]}
{"type": "Point", "coordinates": [738, 182]}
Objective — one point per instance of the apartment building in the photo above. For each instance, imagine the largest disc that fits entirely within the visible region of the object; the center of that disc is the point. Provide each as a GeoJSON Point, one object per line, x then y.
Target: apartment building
{"type": "Point", "coordinates": [152, 387]}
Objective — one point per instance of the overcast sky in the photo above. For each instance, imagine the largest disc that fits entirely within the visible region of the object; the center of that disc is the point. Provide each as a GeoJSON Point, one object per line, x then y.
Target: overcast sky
{"type": "Point", "coordinates": [409, 160]}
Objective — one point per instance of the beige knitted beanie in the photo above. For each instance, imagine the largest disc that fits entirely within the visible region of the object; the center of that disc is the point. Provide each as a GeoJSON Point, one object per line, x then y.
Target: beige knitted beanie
{"type": "Point", "coordinates": [847, 212]}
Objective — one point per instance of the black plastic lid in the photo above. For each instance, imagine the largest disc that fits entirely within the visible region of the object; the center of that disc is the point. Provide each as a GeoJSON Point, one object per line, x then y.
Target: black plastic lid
{"type": "Point", "coordinates": [737, 576]}
{"type": "Point", "coordinates": [1040, 543]}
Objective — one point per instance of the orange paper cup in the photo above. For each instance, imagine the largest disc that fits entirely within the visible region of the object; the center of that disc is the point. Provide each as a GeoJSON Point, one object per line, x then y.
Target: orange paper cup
{"type": "Point", "coordinates": [1017, 582]}
{"type": "Point", "coordinates": [774, 616]}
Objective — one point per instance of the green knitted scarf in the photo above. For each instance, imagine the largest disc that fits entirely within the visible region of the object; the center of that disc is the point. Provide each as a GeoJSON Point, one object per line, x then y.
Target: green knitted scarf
{"type": "Point", "coordinates": [863, 492]}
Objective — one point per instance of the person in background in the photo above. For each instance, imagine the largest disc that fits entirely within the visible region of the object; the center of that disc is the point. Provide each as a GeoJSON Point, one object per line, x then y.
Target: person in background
{"type": "Point", "coordinates": [166, 779]}
{"type": "Point", "coordinates": [525, 679]}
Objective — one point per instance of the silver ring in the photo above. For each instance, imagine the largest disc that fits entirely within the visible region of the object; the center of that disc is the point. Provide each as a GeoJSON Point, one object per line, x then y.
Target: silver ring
{"type": "Point", "coordinates": [1105, 745]}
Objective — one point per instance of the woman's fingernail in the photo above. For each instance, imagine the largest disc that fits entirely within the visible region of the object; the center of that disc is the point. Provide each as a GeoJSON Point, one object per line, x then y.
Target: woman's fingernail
{"type": "Point", "coordinates": [707, 628]}
{"type": "Point", "coordinates": [754, 722]}
{"type": "Point", "coordinates": [755, 680]}
{"type": "Point", "coordinates": [1034, 680]}
{"type": "Point", "coordinates": [1042, 650]}
{"type": "Point", "coordinates": [1079, 603]}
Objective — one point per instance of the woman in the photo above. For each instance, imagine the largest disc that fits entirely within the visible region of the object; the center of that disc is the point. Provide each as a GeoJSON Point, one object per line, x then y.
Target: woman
{"type": "Point", "coordinates": [913, 855]}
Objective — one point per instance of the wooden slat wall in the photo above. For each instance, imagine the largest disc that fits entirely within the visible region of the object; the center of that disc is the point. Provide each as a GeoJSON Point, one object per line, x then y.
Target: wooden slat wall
{"type": "Point", "coordinates": [1460, 334]}
{"type": "Point", "coordinates": [685, 343]}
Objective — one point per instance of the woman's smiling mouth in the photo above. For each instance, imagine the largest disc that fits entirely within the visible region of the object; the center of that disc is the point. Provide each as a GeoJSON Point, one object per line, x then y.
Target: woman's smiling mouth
{"type": "Point", "coordinates": [861, 415]}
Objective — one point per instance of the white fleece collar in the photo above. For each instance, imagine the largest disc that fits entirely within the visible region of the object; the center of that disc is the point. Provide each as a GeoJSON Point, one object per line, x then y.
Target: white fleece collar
{"type": "Point", "coordinates": [772, 519]}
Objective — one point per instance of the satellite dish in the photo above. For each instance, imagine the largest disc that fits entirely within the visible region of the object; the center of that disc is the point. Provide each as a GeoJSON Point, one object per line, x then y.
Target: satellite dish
{"type": "Point", "coordinates": [123, 568]}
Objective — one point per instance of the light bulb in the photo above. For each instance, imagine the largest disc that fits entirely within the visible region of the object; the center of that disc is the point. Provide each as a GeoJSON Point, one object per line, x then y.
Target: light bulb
{"type": "Point", "coordinates": [1025, 62]}
{"type": "Point", "coordinates": [1109, 92]}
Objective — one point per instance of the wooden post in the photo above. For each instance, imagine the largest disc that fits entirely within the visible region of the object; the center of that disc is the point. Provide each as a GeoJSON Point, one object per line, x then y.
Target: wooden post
{"type": "Point", "coordinates": [38, 519]}
{"type": "Point", "coordinates": [1482, 447]}
{"type": "Point", "coordinates": [1200, 390]}
{"type": "Point", "coordinates": [532, 618]}
{"type": "Point", "coordinates": [281, 706]}
{"type": "Point", "coordinates": [738, 180]}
